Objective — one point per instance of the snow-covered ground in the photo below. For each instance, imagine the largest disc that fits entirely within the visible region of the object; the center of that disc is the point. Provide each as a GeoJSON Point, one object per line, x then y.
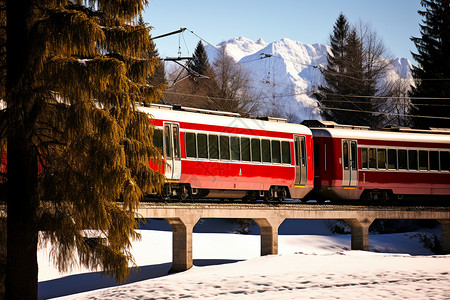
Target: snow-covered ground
{"type": "Point", "coordinates": [312, 265]}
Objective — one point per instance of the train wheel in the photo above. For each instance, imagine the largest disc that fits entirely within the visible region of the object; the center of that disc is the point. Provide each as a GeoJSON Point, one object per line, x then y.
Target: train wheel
{"type": "Point", "coordinates": [250, 197]}
{"type": "Point", "coordinates": [183, 193]}
{"type": "Point", "coordinates": [282, 194]}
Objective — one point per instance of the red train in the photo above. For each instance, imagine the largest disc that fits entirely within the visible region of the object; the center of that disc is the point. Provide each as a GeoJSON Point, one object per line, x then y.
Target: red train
{"type": "Point", "coordinates": [212, 154]}
{"type": "Point", "coordinates": [354, 162]}
{"type": "Point", "coordinates": [221, 155]}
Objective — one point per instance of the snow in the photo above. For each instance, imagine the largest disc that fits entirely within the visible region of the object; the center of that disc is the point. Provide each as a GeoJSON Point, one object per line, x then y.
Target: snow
{"type": "Point", "coordinates": [287, 73]}
{"type": "Point", "coordinates": [313, 265]}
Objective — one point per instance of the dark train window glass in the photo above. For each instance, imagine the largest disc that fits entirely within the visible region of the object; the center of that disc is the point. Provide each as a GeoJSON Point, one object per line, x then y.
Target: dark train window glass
{"type": "Point", "coordinates": [286, 152]}
{"type": "Point", "coordinates": [224, 147]}
{"type": "Point", "coordinates": [303, 145]}
{"type": "Point", "coordinates": [412, 159]}
{"type": "Point", "coordinates": [364, 161]}
{"type": "Point", "coordinates": [256, 150]}
{"type": "Point", "coordinates": [381, 158]}
{"type": "Point", "coordinates": [434, 160]}
{"type": "Point", "coordinates": [265, 146]}
{"type": "Point", "coordinates": [345, 154]}
{"type": "Point", "coordinates": [191, 147]}
{"type": "Point", "coordinates": [372, 158]}
{"type": "Point", "coordinates": [423, 160]}
{"type": "Point", "coordinates": [402, 160]}
{"type": "Point", "coordinates": [158, 138]}
{"type": "Point", "coordinates": [213, 146]}
{"type": "Point", "coordinates": [202, 144]}
{"type": "Point", "coordinates": [235, 148]}
{"type": "Point", "coordinates": [354, 152]}
{"type": "Point", "coordinates": [245, 149]}
{"type": "Point", "coordinates": [176, 141]}
{"type": "Point", "coordinates": [276, 152]}
{"type": "Point", "coordinates": [445, 161]}
{"type": "Point", "coordinates": [167, 141]}
{"type": "Point", "coordinates": [392, 159]}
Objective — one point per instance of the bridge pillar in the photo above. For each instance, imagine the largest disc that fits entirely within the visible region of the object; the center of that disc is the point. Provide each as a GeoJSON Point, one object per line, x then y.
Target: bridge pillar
{"type": "Point", "coordinates": [360, 233]}
{"type": "Point", "coordinates": [182, 242]}
{"type": "Point", "coordinates": [269, 234]}
{"type": "Point", "coordinates": [445, 235]}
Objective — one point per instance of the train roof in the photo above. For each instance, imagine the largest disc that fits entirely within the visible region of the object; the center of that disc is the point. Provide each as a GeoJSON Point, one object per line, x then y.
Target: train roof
{"type": "Point", "coordinates": [400, 134]}
{"type": "Point", "coordinates": [217, 118]}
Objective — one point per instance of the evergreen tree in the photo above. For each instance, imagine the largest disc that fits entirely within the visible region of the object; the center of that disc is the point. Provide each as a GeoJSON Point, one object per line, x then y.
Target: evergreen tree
{"type": "Point", "coordinates": [158, 77]}
{"type": "Point", "coordinates": [355, 65]}
{"type": "Point", "coordinates": [432, 73]}
{"type": "Point", "coordinates": [75, 142]}
{"type": "Point", "coordinates": [199, 64]}
{"type": "Point", "coordinates": [333, 97]}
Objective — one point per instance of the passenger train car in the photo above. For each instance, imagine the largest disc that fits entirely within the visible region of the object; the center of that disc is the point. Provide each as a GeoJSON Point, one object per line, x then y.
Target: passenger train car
{"type": "Point", "coordinates": [212, 154]}
{"type": "Point", "coordinates": [354, 162]}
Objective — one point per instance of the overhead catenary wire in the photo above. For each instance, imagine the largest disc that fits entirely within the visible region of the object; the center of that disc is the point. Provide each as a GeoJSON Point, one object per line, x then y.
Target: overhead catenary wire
{"type": "Point", "coordinates": [315, 107]}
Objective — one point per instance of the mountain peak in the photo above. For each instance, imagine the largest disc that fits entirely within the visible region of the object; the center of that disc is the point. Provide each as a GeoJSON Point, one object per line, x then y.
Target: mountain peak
{"type": "Point", "coordinates": [288, 73]}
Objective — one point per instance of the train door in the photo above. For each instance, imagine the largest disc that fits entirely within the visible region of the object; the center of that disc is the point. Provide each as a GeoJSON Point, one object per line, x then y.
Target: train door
{"type": "Point", "coordinates": [172, 151]}
{"type": "Point", "coordinates": [300, 160]}
{"type": "Point", "coordinates": [350, 163]}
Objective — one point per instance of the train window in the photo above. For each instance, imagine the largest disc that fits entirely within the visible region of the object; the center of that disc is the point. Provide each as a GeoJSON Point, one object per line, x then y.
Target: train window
{"type": "Point", "coordinates": [364, 161]}
{"type": "Point", "coordinates": [445, 161]}
{"type": "Point", "coordinates": [354, 152]}
{"type": "Point", "coordinates": [191, 147]}
{"type": "Point", "coordinates": [345, 154]}
{"type": "Point", "coordinates": [265, 146]}
{"type": "Point", "coordinates": [423, 160]}
{"type": "Point", "coordinates": [392, 159]}
{"type": "Point", "coordinates": [167, 141]}
{"type": "Point", "coordinates": [235, 148]}
{"type": "Point", "coordinates": [256, 150]}
{"type": "Point", "coordinates": [158, 138]}
{"type": "Point", "coordinates": [372, 158]}
{"type": "Point", "coordinates": [286, 152]}
{"type": "Point", "coordinates": [412, 159]}
{"type": "Point", "coordinates": [245, 149]}
{"type": "Point", "coordinates": [213, 146]}
{"type": "Point", "coordinates": [176, 141]}
{"type": "Point", "coordinates": [434, 160]}
{"type": "Point", "coordinates": [202, 144]}
{"type": "Point", "coordinates": [402, 160]}
{"type": "Point", "coordinates": [224, 147]}
{"type": "Point", "coordinates": [381, 158]}
{"type": "Point", "coordinates": [276, 152]}
{"type": "Point", "coordinates": [303, 144]}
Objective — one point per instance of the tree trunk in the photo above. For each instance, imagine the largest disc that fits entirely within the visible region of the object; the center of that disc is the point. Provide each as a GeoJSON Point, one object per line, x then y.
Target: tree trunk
{"type": "Point", "coordinates": [22, 198]}
{"type": "Point", "coordinates": [2, 256]}
{"type": "Point", "coordinates": [22, 230]}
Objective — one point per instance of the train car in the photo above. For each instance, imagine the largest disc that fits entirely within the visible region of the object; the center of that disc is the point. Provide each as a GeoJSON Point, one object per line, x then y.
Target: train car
{"type": "Point", "coordinates": [355, 162]}
{"type": "Point", "coordinates": [221, 155]}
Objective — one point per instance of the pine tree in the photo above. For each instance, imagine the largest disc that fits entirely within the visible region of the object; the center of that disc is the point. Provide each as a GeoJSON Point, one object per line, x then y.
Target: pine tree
{"type": "Point", "coordinates": [199, 64]}
{"type": "Point", "coordinates": [333, 96]}
{"type": "Point", "coordinates": [432, 73]}
{"type": "Point", "coordinates": [75, 142]}
{"type": "Point", "coordinates": [158, 76]}
{"type": "Point", "coordinates": [355, 65]}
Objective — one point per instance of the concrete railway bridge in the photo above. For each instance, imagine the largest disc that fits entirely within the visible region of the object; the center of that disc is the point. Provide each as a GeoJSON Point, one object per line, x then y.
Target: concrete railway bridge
{"type": "Point", "coordinates": [182, 217]}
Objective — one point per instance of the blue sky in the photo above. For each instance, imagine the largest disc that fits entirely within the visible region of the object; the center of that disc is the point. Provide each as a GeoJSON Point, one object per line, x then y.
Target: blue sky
{"type": "Point", "coordinates": [306, 21]}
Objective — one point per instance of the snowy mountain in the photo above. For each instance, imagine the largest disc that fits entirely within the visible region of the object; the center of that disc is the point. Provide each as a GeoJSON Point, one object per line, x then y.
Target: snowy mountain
{"type": "Point", "coordinates": [287, 72]}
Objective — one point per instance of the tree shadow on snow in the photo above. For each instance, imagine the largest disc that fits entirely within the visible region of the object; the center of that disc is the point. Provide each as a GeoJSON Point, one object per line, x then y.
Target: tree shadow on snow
{"type": "Point", "coordinates": [85, 282]}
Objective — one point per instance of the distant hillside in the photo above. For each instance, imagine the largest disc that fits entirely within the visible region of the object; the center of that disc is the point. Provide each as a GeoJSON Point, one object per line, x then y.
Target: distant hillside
{"type": "Point", "coordinates": [287, 72]}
